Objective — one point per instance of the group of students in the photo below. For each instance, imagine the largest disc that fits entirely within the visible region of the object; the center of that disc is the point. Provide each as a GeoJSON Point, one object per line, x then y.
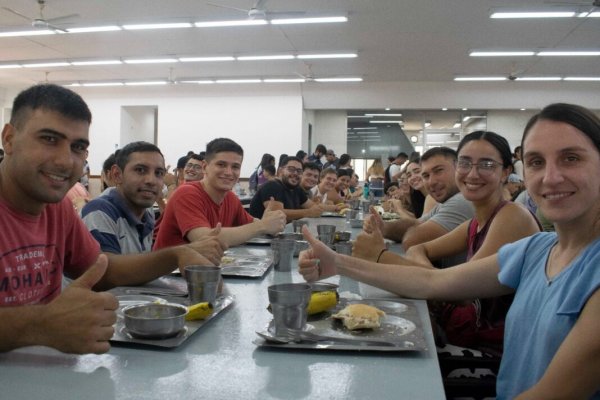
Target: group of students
{"type": "Point", "coordinates": [551, 334]}
{"type": "Point", "coordinates": [549, 280]}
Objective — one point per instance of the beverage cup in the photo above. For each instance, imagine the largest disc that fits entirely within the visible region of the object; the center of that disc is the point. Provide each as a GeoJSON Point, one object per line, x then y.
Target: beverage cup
{"type": "Point", "coordinates": [298, 224]}
{"type": "Point", "coordinates": [365, 206]}
{"type": "Point", "coordinates": [351, 214]}
{"type": "Point", "coordinates": [326, 233]}
{"type": "Point", "coordinates": [283, 254]}
{"type": "Point", "coordinates": [202, 282]}
{"type": "Point", "coordinates": [289, 302]}
{"type": "Point", "coordinates": [344, 248]}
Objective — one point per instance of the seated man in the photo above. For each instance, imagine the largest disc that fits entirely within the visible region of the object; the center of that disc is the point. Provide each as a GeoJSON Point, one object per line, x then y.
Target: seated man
{"type": "Point", "coordinates": [327, 180]}
{"type": "Point", "coordinates": [42, 237]}
{"type": "Point", "coordinates": [196, 208]}
{"type": "Point", "coordinates": [286, 190]}
{"type": "Point", "coordinates": [438, 170]}
{"type": "Point", "coordinates": [310, 178]}
{"type": "Point", "coordinates": [192, 171]}
{"type": "Point", "coordinates": [337, 194]}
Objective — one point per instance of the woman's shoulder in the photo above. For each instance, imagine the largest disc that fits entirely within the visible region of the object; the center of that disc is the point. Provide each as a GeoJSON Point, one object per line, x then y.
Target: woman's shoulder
{"type": "Point", "coordinates": [514, 212]}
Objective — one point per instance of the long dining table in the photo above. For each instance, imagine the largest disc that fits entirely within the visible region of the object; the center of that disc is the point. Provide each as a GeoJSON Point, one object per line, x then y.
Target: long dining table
{"type": "Point", "coordinates": [221, 361]}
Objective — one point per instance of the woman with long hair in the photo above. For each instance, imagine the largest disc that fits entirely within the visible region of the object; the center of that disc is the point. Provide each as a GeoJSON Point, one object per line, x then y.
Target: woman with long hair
{"type": "Point", "coordinates": [552, 335]}
{"type": "Point", "coordinates": [375, 177]}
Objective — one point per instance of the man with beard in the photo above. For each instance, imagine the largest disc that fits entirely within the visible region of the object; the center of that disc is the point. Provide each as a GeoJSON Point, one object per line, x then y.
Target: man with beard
{"type": "Point", "coordinates": [121, 221]}
{"type": "Point", "coordinates": [438, 167]}
{"type": "Point", "coordinates": [287, 191]}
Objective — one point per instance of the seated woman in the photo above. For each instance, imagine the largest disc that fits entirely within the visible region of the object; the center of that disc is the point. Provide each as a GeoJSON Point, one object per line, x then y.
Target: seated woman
{"type": "Point", "coordinates": [552, 336]}
{"type": "Point", "coordinates": [420, 199]}
{"type": "Point", "coordinates": [483, 165]}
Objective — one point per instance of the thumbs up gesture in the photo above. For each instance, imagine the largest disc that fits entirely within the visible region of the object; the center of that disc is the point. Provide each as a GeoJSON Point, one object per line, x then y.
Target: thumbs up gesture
{"type": "Point", "coordinates": [318, 262]}
{"type": "Point", "coordinates": [80, 320]}
{"type": "Point", "coordinates": [210, 246]}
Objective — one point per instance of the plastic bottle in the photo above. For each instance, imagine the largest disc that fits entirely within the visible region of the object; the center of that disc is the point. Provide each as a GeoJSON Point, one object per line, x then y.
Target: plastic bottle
{"type": "Point", "coordinates": [366, 191]}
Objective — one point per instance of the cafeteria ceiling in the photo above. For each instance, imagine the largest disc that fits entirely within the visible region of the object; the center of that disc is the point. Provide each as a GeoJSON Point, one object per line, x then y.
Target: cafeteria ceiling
{"type": "Point", "coordinates": [395, 41]}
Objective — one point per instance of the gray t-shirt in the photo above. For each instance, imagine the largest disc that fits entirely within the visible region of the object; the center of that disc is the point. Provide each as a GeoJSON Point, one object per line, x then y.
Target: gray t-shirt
{"type": "Point", "coordinates": [449, 215]}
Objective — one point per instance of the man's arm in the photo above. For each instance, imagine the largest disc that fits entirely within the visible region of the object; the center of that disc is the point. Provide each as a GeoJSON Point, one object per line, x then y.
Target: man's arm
{"type": "Point", "coordinates": [77, 321]}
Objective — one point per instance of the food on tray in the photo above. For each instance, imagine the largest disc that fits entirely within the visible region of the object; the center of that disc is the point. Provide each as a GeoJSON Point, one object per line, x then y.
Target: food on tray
{"type": "Point", "coordinates": [226, 260]}
{"type": "Point", "coordinates": [390, 215]}
{"type": "Point", "coordinates": [360, 316]}
{"type": "Point", "coordinates": [199, 311]}
{"type": "Point", "coordinates": [322, 301]}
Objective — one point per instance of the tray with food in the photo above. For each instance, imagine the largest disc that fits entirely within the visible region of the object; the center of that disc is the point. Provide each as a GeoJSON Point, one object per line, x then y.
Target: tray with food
{"type": "Point", "coordinates": [389, 325]}
{"type": "Point", "coordinates": [246, 262]}
{"type": "Point", "coordinates": [162, 321]}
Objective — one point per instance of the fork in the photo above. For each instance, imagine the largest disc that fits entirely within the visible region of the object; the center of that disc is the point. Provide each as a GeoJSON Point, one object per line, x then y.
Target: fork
{"type": "Point", "coordinates": [295, 334]}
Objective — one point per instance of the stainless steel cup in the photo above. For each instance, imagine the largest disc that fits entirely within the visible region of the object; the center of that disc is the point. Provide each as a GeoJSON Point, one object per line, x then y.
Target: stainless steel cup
{"type": "Point", "coordinates": [202, 282]}
{"type": "Point", "coordinates": [351, 214]}
{"type": "Point", "coordinates": [283, 254]}
{"type": "Point", "coordinates": [365, 206]}
{"type": "Point", "coordinates": [298, 224]}
{"type": "Point", "coordinates": [326, 233]}
{"type": "Point", "coordinates": [344, 248]}
{"type": "Point", "coordinates": [289, 302]}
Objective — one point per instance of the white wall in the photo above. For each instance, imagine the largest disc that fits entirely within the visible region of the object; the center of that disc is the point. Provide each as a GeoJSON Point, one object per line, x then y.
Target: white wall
{"type": "Point", "coordinates": [509, 124]}
{"type": "Point", "coordinates": [330, 128]}
{"type": "Point", "coordinates": [138, 123]}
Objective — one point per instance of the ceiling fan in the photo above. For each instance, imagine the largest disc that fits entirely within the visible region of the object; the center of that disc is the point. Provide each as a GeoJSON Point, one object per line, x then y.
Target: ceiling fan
{"type": "Point", "coordinates": [41, 22]}
{"type": "Point", "coordinates": [258, 11]}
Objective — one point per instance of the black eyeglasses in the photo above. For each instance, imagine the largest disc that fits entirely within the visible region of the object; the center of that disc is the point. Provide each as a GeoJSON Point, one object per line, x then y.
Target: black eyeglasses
{"type": "Point", "coordinates": [484, 167]}
{"type": "Point", "coordinates": [292, 170]}
{"type": "Point", "coordinates": [196, 167]}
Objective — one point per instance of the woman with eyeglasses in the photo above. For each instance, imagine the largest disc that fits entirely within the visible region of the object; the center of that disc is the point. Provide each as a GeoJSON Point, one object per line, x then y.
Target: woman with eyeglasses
{"type": "Point", "coordinates": [552, 335]}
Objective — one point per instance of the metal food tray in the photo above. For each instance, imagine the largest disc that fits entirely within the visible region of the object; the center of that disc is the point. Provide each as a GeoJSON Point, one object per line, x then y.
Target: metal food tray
{"type": "Point", "coordinates": [122, 336]}
{"type": "Point", "coordinates": [402, 325]}
{"type": "Point", "coordinates": [247, 262]}
{"type": "Point", "coordinates": [330, 214]}
{"type": "Point", "coordinates": [260, 240]}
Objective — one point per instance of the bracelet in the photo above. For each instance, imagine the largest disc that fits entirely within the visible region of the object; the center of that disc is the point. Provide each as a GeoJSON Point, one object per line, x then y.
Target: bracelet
{"type": "Point", "coordinates": [380, 254]}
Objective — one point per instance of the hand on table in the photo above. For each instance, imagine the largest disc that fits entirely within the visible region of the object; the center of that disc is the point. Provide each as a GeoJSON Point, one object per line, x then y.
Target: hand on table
{"type": "Point", "coordinates": [79, 320]}
{"type": "Point", "coordinates": [318, 261]}
{"type": "Point", "coordinates": [373, 221]}
{"type": "Point", "coordinates": [208, 250]}
{"type": "Point", "coordinates": [314, 211]}
{"type": "Point", "coordinates": [368, 246]}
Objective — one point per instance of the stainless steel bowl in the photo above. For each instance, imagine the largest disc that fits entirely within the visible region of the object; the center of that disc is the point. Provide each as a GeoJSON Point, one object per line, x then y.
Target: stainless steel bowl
{"type": "Point", "coordinates": [343, 236]}
{"type": "Point", "coordinates": [154, 321]}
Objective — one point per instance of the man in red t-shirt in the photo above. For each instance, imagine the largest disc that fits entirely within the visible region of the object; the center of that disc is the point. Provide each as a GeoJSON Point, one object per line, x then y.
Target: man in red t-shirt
{"type": "Point", "coordinates": [195, 208]}
{"type": "Point", "coordinates": [41, 236]}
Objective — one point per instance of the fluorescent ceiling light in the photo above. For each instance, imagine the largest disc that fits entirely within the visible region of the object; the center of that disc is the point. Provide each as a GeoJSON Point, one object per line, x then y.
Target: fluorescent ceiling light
{"type": "Point", "coordinates": [595, 14]}
{"type": "Point", "coordinates": [199, 82]}
{"type": "Point", "coordinates": [568, 53]}
{"type": "Point", "coordinates": [317, 56]}
{"type": "Point", "coordinates": [93, 84]}
{"type": "Point", "coordinates": [501, 53]}
{"type": "Point", "coordinates": [339, 80]}
{"type": "Point", "coordinates": [358, 116]}
{"type": "Point", "coordinates": [534, 14]}
{"type": "Point", "coordinates": [284, 21]}
{"type": "Point", "coordinates": [94, 29]}
{"type": "Point", "coordinates": [205, 59]}
{"type": "Point", "coordinates": [427, 124]}
{"type": "Point", "coordinates": [456, 125]}
{"type": "Point", "coordinates": [299, 80]}
{"type": "Point", "coordinates": [243, 22]}
{"type": "Point", "coordinates": [157, 26]}
{"type": "Point", "coordinates": [274, 57]}
{"type": "Point", "coordinates": [238, 81]}
{"type": "Point", "coordinates": [37, 32]}
{"type": "Point", "coordinates": [49, 64]}
{"type": "Point", "coordinates": [151, 61]}
{"type": "Point", "coordinates": [387, 122]}
{"type": "Point", "coordinates": [383, 115]}
{"type": "Point", "coordinates": [367, 127]}
{"type": "Point", "coordinates": [6, 66]}
{"type": "Point", "coordinates": [539, 78]}
{"type": "Point", "coordinates": [468, 117]}
{"type": "Point", "coordinates": [445, 109]}
{"type": "Point", "coordinates": [146, 83]}
{"type": "Point", "coordinates": [480, 78]}
{"type": "Point", "coordinates": [97, 62]}
{"type": "Point", "coordinates": [582, 78]}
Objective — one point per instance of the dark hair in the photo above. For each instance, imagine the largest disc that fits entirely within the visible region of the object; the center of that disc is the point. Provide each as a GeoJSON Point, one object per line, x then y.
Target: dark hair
{"type": "Point", "coordinates": [343, 172]}
{"type": "Point", "coordinates": [282, 158]}
{"type": "Point", "coordinates": [416, 160]}
{"type": "Point", "coordinates": [270, 168]}
{"type": "Point", "coordinates": [311, 165]}
{"type": "Point", "coordinates": [197, 157]}
{"type": "Point", "coordinates": [345, 159]}
{"type": "Point", "coordinates": [402, 154]}
{"type": "Point", "coordinates": [415, 155]}
{"type": "Point", "coordinates": [388, 186]}
{"type": "Point", "coordinates": [267, 159]}
{"type": "Point", "coordinates": [495, 140]}
{"type": "Point", "coordinates": [52, 98]}
{"type": "Point", "coordinates": [391, 158]}
{"type": "Point", "coordinates": [447, 152]}
{"type": "Point", "coordinates": [122, 158]}
{"type": "Point", "coordinates": [301, 154]}
{"type": "Point", "coordinates": [285, 160]}
{"type": "Point", "coordinates": [220, 145]}
{"type": "Point", "coordinates": [321, 149]}
{"type": "Point", "coordinates": [109, 162]}
{"type": "Point", "coordinates": [326, 172]}
{"type": "Point", "coordinates": [578, 117]}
